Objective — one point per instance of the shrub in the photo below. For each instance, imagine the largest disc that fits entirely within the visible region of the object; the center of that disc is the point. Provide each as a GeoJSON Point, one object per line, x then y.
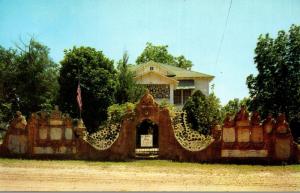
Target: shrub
{"type": "Point", "coordinates": [203, 112]}
{"type": "Point", "coordinates": [117, 112]}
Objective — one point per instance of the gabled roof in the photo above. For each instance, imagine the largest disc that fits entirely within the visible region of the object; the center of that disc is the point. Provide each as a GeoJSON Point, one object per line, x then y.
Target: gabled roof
{"type": "Point", "coordinates": [157, 74]}
{"type": "Point", "coordinates": [175, 71]}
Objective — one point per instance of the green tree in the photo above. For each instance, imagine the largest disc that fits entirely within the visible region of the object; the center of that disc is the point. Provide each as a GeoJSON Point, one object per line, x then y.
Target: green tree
{"type": "Point", "coordinates": [160, 54]}
{"type": "Point", "coordinates": [127, 89]}
{"type": "Point", "coordinates": [7, 73]}
{"type": "Point", "coordinates": [276, 88]}
{"type": "Point", "coordinates": [233, 106]}
{"type": "Point", "coordinates": [203, 112]}
{"type": "Point", "coordinates": [97, 80]}
{"type": "Point", "coordinates": [182, 62]}
{"type": "Point", "coordinates": [28, 78]}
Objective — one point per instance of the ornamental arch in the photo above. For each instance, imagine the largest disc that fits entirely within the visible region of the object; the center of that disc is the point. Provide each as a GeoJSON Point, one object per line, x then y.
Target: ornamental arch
{"type": "Point", "coordinates": [147, 135]}
{"type": "Point", "coordinates": [147, 114]}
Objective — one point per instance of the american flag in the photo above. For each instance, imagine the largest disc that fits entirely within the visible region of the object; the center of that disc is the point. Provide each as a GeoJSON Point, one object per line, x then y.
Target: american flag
{"type": "Point", "coordinates": [79, 97]}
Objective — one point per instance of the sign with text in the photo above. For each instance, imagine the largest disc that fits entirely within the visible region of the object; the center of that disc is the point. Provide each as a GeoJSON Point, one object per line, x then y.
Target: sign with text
{"type": "Point", "coordinates": [146, 140]}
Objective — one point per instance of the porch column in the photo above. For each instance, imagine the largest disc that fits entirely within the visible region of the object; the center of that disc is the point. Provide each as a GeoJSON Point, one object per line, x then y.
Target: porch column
{"type": "Point", "coordinates": [171, 94]}
{"type": "Point", "coordinates": [181, 97]}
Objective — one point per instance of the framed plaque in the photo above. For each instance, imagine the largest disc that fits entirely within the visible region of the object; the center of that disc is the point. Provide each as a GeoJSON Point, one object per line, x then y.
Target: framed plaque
{"type": "Point", "coordinates": [146, 140]}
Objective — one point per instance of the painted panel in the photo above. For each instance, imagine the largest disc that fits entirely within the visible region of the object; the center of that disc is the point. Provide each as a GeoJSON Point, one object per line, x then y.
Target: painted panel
{"type": "Point", "coordinates": [228, 134]}
{"type": "Point", "coordinates": [68, 133]}
{"type": "Point", "coordinates": [43, 150]}
{"type": "Point", "coordinates": [243, 134]}
{"type": "Point", "coordinates": [257, 135]}
{"type": "Point", "coordinates": [17, 144]}
{"type": "Point", "coordinates": [244, 153]}
{"type": "Point", "coordinates": [43, 133]}
{"type": "Point", "coordinates": [55, 133]}
{"type": "Point", "coordinates": [282, 148]}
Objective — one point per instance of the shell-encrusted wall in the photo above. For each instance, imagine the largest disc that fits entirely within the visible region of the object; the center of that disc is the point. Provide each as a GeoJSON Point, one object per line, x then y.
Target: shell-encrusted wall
{"type": "Point", "coordinates": [104, 138]}
{"type": "Point", "coordinates": [188, 138]}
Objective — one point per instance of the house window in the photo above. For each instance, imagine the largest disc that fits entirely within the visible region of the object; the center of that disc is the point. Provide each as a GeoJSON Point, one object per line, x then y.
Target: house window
{"type": "Point", "coordinates": [151, 68]}
{"type": "Point", "coordinates": [177, 97]}
{"type": "Point", "coordinates": [181, 96]}
{"type": "Point", "coordinates": [186, 95]}
{"type": "Point", "coordinates": [186, 83]}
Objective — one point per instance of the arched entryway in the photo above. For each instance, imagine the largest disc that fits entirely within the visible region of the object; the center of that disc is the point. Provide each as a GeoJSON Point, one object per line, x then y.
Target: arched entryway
{"type": "Point", "coordinates": [147, 139]}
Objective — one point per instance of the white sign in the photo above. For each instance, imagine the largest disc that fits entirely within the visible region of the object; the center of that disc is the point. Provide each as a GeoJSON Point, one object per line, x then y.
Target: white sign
{"type": "Point", "coordinates": [146, 140]}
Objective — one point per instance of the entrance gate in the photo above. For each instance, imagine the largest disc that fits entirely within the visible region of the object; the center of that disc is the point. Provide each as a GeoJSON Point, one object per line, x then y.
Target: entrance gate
{"type": "Point", "coordinates": [147, 139]}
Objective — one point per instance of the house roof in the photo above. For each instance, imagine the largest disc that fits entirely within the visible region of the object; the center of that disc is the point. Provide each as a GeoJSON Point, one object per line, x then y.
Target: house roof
{"type": "Point", "coordinates": [157, 74]}
{"type": "Point", "coordinates": [174, 71]}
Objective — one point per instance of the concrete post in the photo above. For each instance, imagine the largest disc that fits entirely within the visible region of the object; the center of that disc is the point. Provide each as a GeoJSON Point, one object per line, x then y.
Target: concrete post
{"type": "Point", "coordinates": [171, 94]}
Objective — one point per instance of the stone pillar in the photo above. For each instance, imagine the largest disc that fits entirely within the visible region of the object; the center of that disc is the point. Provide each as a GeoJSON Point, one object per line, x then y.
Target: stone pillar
{"type": "Point", "coordinates": [171, 94]}
{"type": "Point", "coordinates": [283, 139]}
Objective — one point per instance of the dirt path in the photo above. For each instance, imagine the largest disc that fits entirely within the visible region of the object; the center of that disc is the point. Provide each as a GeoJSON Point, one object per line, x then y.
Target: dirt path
{"type": "Point", "coordinates": [144, 175]}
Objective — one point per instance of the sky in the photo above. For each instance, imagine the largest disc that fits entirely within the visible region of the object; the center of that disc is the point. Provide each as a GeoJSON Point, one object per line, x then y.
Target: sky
{"type": "Point", "coordinates": [193, 28]}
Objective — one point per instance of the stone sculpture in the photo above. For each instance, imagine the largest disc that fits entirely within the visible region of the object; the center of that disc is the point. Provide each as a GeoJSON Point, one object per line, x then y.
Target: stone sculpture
{"type": "Point", "coordinates": [20, 121]}
{"type": "Point", "coordinates": [268, 124]}
{"type": "Point", "coordinates": [255, 119]}
{"type": "Point", "coordinates": [282, 126]}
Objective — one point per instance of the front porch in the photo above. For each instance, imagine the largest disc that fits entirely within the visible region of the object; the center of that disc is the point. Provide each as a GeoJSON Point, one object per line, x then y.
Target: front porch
{"type": "Point", "coordinates": [165, 92]}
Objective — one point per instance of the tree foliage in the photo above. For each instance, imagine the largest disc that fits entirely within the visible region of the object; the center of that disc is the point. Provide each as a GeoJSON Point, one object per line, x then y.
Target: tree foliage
{"type": "Point", "coordinates": [276, 88]}
{"type": "Point", "coordinates": [127, 89]}
{"type": "Point", "coordinates": [160, 54]}
{"type": "Point", "coordinates": [203, 112]}
{"type": "Point", "coordinates": [116, 112]}
{"type": "Point", "coordinates": [97, 80]}
{"type": "Point", "coordinates": [28, 79]}
{"type": "Point", "coordinates": [234, 105]}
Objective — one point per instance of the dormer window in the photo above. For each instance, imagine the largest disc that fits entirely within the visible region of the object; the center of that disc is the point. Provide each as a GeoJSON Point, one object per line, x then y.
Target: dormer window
{"type": "Point", "coordinates": [151, 68]}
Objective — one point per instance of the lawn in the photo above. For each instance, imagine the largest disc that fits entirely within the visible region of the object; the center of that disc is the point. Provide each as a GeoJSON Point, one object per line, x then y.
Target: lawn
{"type": "Point", "coordinates": [149, 175]}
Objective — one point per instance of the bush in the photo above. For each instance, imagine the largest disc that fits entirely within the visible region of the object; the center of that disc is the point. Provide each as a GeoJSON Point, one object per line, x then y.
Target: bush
{"type": "Point", "coordinates": [170, 107]}
{"type": "Point", "coordinates": [117, 112]}
{"type": "Point", "coordinates": [203, 112]}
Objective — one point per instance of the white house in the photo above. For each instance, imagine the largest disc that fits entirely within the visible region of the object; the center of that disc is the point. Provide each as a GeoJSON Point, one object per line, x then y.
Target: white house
{"type": "Point", "coordinates": [170, 83]}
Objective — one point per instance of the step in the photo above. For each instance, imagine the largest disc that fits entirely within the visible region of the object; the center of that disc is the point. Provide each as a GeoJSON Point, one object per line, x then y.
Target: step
{"type": "Point", "coordinates": [148, 157]}
{"type": "Point", "coordinates": [146, 153]}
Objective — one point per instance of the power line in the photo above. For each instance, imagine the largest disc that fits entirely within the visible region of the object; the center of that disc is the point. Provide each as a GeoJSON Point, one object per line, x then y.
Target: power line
{"type": "Point", "coordinates": [222, 38]}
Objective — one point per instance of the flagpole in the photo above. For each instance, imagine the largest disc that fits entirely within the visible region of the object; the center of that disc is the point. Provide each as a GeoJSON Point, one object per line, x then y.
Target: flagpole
{"type": "Point", "coordinates": [79, 92]}
{"type": "Point", "coordinates": [81, 99]}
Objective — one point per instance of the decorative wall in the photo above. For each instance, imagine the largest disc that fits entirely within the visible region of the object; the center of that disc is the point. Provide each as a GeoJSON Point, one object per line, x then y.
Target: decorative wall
{"type": "Point", "coordinates": [55, 135]}
{"type": "Point", "coordinates": [247, 137]}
